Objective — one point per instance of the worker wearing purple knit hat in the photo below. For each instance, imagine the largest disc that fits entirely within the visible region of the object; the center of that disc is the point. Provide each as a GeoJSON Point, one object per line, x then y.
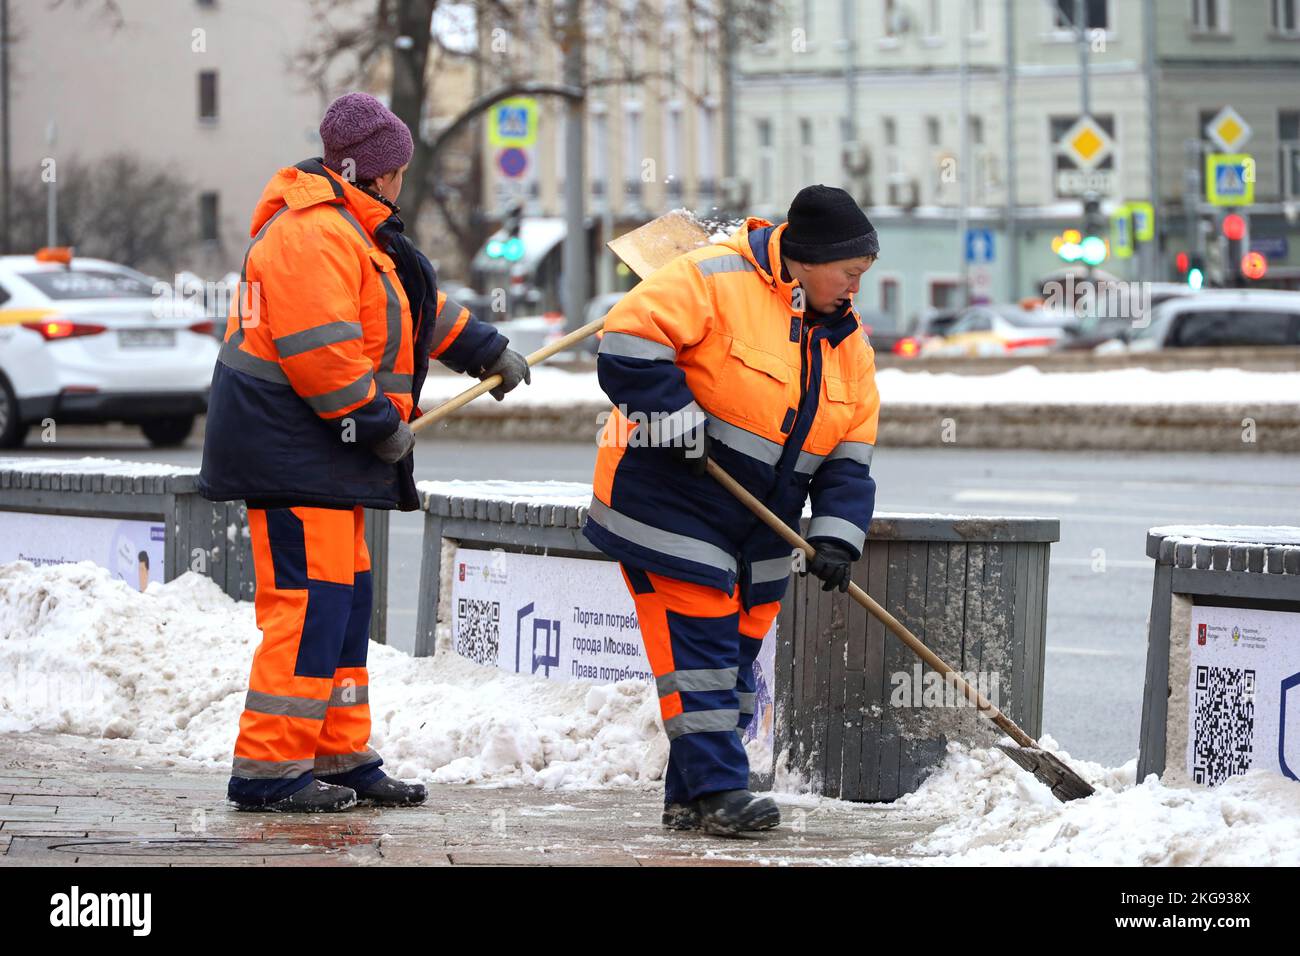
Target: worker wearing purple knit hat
{"type": "Point", "coordinates": [308, 423]}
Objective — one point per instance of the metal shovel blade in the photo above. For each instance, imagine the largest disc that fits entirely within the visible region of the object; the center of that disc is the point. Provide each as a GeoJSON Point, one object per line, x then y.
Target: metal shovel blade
{"type": "Point", "coordinates": [1065, 784]}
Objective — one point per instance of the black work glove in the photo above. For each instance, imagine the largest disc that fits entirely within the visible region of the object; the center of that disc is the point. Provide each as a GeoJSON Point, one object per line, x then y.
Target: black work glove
{"type": "Point", "coordinates": [693, 457]}
{"type": "Point", "coordinates": [832, 563]}
{"type": "Point", "coordinates": [513, 369]}
{"type": "Point", "coordinates": [396, 446]}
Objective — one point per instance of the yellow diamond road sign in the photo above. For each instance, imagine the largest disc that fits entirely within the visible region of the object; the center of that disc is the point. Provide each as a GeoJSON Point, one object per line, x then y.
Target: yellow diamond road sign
{"type": "Point", "coordinates": [1228, 130]}
{"type": "Point", "coordinates": [1086, 143]}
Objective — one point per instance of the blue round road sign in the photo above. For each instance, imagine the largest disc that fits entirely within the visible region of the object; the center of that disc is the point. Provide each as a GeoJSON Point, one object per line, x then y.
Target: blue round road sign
{"type": "Point", "coordinates": [512, 162]}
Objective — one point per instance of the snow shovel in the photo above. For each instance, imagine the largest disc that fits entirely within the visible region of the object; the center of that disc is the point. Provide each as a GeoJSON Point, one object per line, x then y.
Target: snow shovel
{"type": "Point", "coordinates": [643, 250]}
{"type": "Point", "coordinates": [1064, 783]}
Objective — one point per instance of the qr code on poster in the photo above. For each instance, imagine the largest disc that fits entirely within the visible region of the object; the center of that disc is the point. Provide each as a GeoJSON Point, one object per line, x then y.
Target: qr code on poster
{"type": "Point", "coordinates": [478, 630]}
{"type": "Point", "coordinates": [1224, 728]}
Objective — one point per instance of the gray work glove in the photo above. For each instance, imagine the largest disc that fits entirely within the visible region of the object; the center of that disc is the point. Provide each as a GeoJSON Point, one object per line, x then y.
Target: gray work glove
{"type": "Point", "coordinates": [396, 446]}
{"type": "Point", "coordinates": [513, 369]}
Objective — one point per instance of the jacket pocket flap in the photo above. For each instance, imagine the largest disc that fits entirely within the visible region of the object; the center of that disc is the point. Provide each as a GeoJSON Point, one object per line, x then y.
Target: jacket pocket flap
{"type": "Point", "coordinates": [841, 390]}
{"type": "Point", "coordinates": [381, 259]}
{"type": "Point", "coordinates": [761, 361]}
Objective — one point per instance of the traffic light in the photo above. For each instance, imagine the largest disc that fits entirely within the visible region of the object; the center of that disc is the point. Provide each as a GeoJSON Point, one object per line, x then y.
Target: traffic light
{"type": "Point", "coordinates": [1236, 233]}
{"type": "Point", "coordinates": [1094, 248]}
{"type": "Point", "coordinates": [1182, 262]}
{"type": "Point", "coordinates": [1254, 265]}
{"type": "Point", "coordinates": [1196, 271]}
{"type": "Point", "coordinates": [511, 248]}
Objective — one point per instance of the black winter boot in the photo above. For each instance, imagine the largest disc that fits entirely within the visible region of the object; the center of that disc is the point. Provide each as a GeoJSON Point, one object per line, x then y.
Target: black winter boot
{"type": "Point", "coordinates": [390, 792]}
{"type": "Point", "coordinates": [731, 812]}
{"type": "Point", "coordinates": [681, 816]}
{"type": "Point", "coordinates": [316, 797]}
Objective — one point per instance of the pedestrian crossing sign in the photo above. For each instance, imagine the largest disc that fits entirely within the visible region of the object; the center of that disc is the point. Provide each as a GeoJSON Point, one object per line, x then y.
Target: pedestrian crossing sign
{"type": "Point", "coordinates": [1230, 179]}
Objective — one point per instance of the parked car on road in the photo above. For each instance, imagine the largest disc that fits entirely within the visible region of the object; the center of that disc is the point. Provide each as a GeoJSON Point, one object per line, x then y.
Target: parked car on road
{"type": "Point", "coordinates": [1002, 330]}
{"type": "Point", "coordinates": [1222, 317]}
{"type": "Point", "coordinates": [88, 341]}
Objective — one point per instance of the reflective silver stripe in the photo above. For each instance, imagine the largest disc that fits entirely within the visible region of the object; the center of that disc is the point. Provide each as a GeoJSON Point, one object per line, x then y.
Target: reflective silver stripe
{"type": "Point", "coordinates": [634, 346]}
{"type": "Point", "coordinates": [859, 451]}
{"type": "Point", "coordinates": [701, 722]}
{"type": "Point", "coordinates": [361, 230]}
{"type": "Point", "coordinates": [770, 569]}
{"type": "Point", "coordinates": [723, 678]}
{"type": "Point", "coordinates": [394, 381]}
{"type": "Point", "coordinates": [280, 706]}
{"type": "Point", "coordinates": [393, 343]}
{"type": "Point", "coordinates": [349, 695]}
{"type": "Point", "coordinates": [341, 397]}
{"type": "Point", "coordinates": [328, 764]}
{"type": "Point", "coordinates": [744, 441]}
{"type": "Point", "coordinates": [445, 323]}
{"type": "Point", "coordinates": [746, 704]}
{"type": "Point", "coordinates": [719, 264]}
{"type": "Point", "coordinates": [665, 542]}
{"type": "Point", "coordinates": [330, 333]}
{"type": "Point", "coordinates": [807, 462]}
{"type": "Point", "coordinates": [270, 769]}
{"type": "Point", "coordinates": [828, 527]}
{"type": "Point", "coordinates": [232, 356]}
{"type": "Point", "coordinates": [666, 426]}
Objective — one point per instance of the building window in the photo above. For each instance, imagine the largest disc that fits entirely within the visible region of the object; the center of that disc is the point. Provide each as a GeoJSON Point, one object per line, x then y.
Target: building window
{"type": "Point", "coordinates": [934, 25]}
{"type": "Point", "coordinates": [599, 154]}
{"type": "Point", "coordinates": [209, 217]}
{"type": "Point", "coordinates": [977, 25]}
{"type": "Point", "coordinates": [1286, 17]}
{"type": "Point", "coordinates": [1288, 134]}
{"type": "Point", "coordinates": [673, 152]}
{"type": "Point", "coordinates": [890, 9]}
{"type": "Point", "coordinates": [1210, 16]}
{"type": "Point", "coordinates": [766, 162]}
{"type": "Point", "coordinates": [977, 131]}
{"type": "Point", "coordinates": [932, 130]}
{"type": "Point", "coordinates": [889, 303]}
{"type": "Point", "coordinates": [633, 153]}
{"type": "Point", "coordinates": [705, 132]}
{"type": "Point", "coordinates": [891, 131]}
{"type": "Point", "coordinates": [942, 293]}
{"type": "Point", "coordinates": [208, 95]}
{"type": "Point", "coordinates": [1097, 13]}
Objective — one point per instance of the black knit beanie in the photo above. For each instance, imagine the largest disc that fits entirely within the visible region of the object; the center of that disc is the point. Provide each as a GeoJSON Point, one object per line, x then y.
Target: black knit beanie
{"type": "Point", "coordinates": [826, 224]}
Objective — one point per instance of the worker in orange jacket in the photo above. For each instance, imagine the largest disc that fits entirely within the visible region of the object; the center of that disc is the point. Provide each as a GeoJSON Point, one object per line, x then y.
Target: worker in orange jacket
{"type": "Point", "coordinates": [320, 372]}
{"type": "Point", "coordinates": [747, 351]}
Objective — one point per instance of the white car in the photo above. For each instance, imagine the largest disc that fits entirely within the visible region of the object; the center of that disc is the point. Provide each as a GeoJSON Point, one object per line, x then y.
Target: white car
{"type": "Point", "coordinates": [1224, 318]}
{"type": "Point", "coordinates": [84, 340]}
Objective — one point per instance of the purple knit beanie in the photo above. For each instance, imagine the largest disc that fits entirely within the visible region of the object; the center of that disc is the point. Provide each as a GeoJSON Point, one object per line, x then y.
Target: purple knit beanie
{"type": "Point", "coordinates": [360, 128]}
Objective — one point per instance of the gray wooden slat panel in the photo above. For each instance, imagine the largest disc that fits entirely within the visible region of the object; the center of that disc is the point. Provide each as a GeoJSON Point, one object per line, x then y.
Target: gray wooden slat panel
{"type": "Point", "coordinates": [805, 703]}
{"type": "Point", "coordinates": [1155, 696]}
{"type": "Point", "coordinates": [972, 627]}
{"type": "Point", "coordinates": [787, 627]}
{"type": "Point", "coordinates": [875, 681]}
{"type": "Point", "coordinates": [1016, 632]}
{"type": "Point", "coordinates": [830, 652]}
{"type": "Point", "coordinates": [897, 658]}
{"type": "Point", "coordinates": [1032, 637]}
{"type": "Point", "coordinates": [854, 685]}
{"type": "Point", "coordinates": [912, 750]}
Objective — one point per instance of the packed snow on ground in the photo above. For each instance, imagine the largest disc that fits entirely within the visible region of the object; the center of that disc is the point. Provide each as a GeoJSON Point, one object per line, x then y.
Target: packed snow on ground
{"type": "Point", "coordinates": [160, 677]}
{"type": "Point", "coordinates": [1129, 386]}
{"type": "Point", "coordinates": [528, 492]}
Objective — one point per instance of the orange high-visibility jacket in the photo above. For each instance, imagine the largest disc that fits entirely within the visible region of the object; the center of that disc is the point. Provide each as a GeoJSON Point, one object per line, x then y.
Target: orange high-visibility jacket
{"type": "Point", "coordinates": [718, 340]}
{"type": "Point", "coordinates": [320, 352]}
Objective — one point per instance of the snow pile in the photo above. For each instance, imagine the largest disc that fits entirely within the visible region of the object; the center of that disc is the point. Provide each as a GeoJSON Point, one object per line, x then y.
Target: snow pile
{"type": "Point", "coordinates": [1122, 386]}
{"type": "Point", "coordinates": [161, 676]}
{"type": "Point", "coordinates": [95, 466]}
{"type": "Point", "coordinates": [164, 673]}
{"type": "Point", "coordinates": [986, 810]}
{"type": "Point", "coordinates": [1027, 385]}
{"type": "Point", "coordinates": [528, 492]}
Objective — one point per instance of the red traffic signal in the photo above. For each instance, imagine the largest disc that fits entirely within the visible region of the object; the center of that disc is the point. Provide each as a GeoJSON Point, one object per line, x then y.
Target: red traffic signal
{"type": "Point", "coordinates": [1234, 227]}
{"type": "Point", "coordinates": [1182, 262]}
{"type": "Point", "coordinates": [1254, 265]}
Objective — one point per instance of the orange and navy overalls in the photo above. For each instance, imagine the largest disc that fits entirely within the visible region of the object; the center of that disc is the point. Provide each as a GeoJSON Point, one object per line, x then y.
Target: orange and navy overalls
{"type": "Point", "coordinates": [322, 358]}
{"type": "Point", "coordinates": [719, 340]}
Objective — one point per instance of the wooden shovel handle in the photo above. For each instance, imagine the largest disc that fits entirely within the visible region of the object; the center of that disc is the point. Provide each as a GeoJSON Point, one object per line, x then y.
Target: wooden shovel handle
{"type": "Point", "coordinates": [985, 707]}
{"type": "Point", "coordinates": [492, 381]}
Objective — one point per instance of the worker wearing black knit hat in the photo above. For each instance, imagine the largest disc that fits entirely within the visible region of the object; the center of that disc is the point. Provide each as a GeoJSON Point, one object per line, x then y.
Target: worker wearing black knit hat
{"type": "Point", "coordinates": [828, 244]}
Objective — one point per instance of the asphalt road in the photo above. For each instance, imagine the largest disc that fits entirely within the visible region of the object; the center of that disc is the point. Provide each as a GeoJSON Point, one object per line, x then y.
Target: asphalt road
{"type": "Point", "coordinates": [1100, 585]}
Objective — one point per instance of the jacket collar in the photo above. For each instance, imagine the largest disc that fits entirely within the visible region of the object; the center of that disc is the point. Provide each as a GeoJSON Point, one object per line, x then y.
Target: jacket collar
{"type": "Point", "coordinates": [760, 242]}
{"type": "Point", "coordinates": [310, 183]}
